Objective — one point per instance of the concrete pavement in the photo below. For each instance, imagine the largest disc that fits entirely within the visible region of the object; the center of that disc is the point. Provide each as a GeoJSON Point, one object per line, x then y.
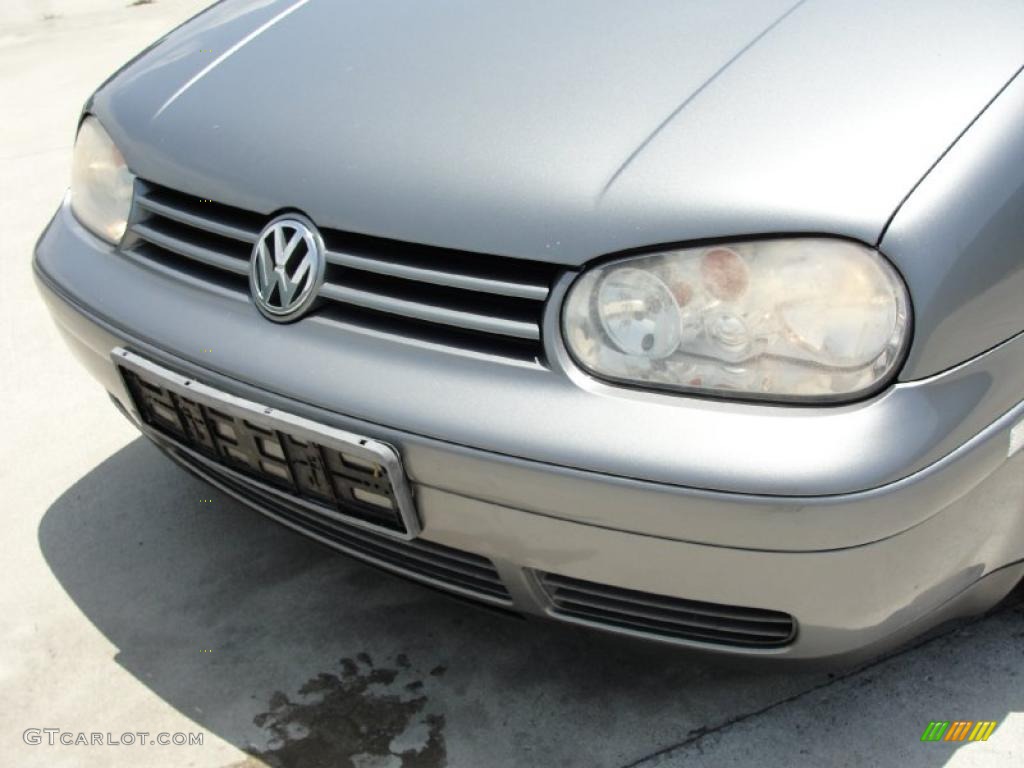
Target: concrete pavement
{"type": "Point", "coordinates": [973, 673]}
{"type": "Point", "coordinates": [137, 599]}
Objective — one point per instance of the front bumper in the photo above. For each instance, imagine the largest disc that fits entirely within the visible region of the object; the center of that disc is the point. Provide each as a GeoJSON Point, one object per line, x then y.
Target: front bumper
{"type": "Point", "coordinates": [867, 523]}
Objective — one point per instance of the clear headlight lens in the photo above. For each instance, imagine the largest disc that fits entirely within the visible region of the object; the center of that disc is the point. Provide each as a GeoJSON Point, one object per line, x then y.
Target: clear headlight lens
{"type": "Point", "coordinates": [807, 318]}
{"type": "Point", "coordinates": [101, 184]}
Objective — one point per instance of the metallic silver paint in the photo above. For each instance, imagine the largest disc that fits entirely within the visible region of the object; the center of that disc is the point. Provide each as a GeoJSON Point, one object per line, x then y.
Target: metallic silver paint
{"type": "Point", "coordinates": [573, 420]}
{"type": "Point", "coordinates": [497, 128]}
{"type": "Point", "coordinates": [960, 239]}
{"type": "Point", "coordinates": [675, 510]}
{"type": "Point", "coordinates": [569, 132]}
{"type": "Point", "coordinates": [962, 557]}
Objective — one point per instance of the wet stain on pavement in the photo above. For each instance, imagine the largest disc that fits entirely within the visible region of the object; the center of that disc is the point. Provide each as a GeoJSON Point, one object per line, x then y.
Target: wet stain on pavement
{"type": "Point", "coordinates": [360, 716]}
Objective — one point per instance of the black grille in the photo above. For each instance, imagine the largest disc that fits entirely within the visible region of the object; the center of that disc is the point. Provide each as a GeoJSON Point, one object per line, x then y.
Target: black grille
{"type": "Point", "coordinates": [473, 301]}
{"type": "Point", "coordinates": [668, 617]}
{"type": "Point", "coordinates": [438, 565]}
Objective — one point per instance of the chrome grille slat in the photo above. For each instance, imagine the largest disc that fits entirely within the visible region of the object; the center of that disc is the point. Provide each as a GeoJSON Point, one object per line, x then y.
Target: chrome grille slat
{"type": "Point", "coordinates": [667, 617]}
{"type": "Point", "coordinates": [150, 257]}
{"type": "Point", "coordinates": [448, 298]}
{"type": "Point", "coordinates": [439, 277]}
{"type": "Point", "coordinates": [204, 223]}
{"type": "Point", "coordinates": [430, 313]}
{"type": "Point", "coordinates": [189, 250]}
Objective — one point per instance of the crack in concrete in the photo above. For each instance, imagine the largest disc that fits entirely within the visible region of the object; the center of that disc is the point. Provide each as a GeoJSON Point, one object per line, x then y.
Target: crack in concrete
{"type": "Point", "coordinates": [698, 734]}
{"type": "Point", "coordinates": [36, 153]}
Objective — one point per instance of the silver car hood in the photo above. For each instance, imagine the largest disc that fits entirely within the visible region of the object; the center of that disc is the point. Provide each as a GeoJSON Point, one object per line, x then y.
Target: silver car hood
{"type": "Point", "coordinates": [563, 131]}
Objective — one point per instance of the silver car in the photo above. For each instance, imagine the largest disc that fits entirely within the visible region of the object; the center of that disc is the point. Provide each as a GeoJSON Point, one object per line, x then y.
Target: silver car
{"type": "Point", "coordinates": [695, 322]}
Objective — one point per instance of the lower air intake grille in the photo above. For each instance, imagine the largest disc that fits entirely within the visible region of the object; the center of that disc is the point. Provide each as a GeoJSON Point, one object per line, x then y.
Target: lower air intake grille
{"type": "Point", "coordinates": [667, 617]}
{"type": "Point", "coordinates": [452, 569]}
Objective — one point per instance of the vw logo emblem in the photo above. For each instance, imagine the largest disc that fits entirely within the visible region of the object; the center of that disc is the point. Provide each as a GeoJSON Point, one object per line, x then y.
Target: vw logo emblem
{"type": "Point", "coordinates": [287, 267]}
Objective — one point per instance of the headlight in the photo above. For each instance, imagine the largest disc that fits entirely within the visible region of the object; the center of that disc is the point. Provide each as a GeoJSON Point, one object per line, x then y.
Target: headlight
{"type": "Point", "coordinates": [101, 184]}
{"type": "Point", "coordinates": [807, 318]}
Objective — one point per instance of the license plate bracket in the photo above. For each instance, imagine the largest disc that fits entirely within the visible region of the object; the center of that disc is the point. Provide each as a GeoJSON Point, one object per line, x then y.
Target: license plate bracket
{"type": "Point", "coordinates": [343, 475]}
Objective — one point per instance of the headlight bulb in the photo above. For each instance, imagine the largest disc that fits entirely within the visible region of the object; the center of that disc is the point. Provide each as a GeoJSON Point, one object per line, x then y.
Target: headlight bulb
{"type": "Point", "coordinates": [638, 313]}
{"type": "Point", "coordinates": [730, 333]}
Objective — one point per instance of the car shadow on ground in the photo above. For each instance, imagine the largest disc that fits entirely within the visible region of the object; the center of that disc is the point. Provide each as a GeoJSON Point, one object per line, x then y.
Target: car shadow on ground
{"type": "Point", "coordinates": [301, 656]}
